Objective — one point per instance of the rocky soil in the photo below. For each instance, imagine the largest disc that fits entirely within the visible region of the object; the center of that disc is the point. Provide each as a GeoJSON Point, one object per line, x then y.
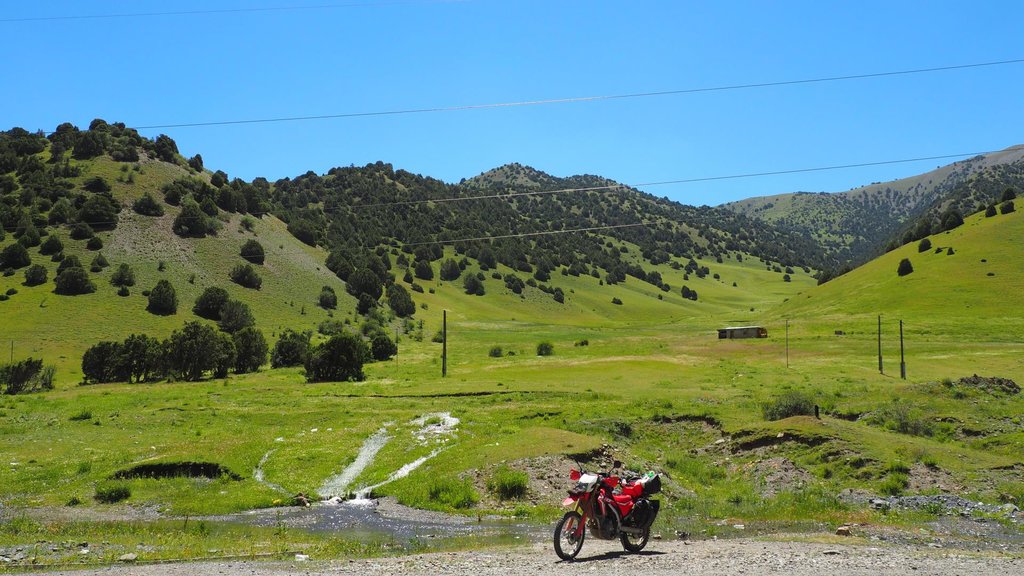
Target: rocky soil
{"type": "Point", "coordinates": [661, 558]}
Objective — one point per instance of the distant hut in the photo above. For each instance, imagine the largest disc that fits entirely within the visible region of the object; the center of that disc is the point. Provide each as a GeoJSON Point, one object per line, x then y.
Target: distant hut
{"type": "Point", "coordinates": [742, 332]}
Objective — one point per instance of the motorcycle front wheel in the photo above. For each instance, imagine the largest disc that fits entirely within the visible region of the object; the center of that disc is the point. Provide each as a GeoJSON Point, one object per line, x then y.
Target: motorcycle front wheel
{"type": "Point", "coordinates": [635, 543]}
{"type": "Point", "coordinates": [567, 542]}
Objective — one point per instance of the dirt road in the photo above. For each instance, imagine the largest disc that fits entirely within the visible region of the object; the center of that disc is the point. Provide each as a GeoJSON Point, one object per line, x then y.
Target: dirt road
{"type": "Point", "coordinates": [708, 558]}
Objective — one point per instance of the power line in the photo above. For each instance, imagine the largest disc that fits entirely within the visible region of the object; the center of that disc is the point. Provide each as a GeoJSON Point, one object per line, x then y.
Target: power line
{"type": "Point", "coordinates": [578, 99]}
{"type": "Point", "coordinates": [528, 234]}
{"type": "Point", "coordinates": [225, 11]}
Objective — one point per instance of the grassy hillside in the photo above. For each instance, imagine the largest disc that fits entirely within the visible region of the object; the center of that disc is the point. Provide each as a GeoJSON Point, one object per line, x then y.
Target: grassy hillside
{"type": "Point", "coordinates": [856, 224]}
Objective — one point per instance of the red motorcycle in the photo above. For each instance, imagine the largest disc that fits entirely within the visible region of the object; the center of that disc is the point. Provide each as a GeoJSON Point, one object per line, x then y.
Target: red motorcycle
{"type": "Point", "coordinates": [610, 508]}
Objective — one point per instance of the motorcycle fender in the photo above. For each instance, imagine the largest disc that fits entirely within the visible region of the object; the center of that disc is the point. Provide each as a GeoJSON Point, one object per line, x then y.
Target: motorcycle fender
{"type": "Point", "coordinates": [570, 501]}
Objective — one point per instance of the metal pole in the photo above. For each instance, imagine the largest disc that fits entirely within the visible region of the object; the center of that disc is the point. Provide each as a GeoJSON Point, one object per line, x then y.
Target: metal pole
{"type": "Point", "coordinates": [880, 371]}
{"type": "Point", "coordinates": [444, 343]}
{"type": "Point", "coordinates": [787, 342]}
{"type": "Point", "coordinates": [903, 365]}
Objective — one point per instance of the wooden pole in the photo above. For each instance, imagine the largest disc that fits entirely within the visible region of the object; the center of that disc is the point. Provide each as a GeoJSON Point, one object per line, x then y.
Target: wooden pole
{"type": "Point", "coordinates": [880, 371]}
{"type": "Point", "coordinates": [903, 364]}
{"type": "Point", "coordinates": [444, 343]}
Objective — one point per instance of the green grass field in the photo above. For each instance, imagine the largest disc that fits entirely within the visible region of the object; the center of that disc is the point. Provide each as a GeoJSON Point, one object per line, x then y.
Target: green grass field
{"type": "Point", "coordinates": [654, 382]}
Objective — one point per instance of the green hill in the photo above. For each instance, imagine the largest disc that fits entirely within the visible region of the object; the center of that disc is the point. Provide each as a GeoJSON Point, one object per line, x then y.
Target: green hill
{"type": "Point", "coordinates": [855, 225]}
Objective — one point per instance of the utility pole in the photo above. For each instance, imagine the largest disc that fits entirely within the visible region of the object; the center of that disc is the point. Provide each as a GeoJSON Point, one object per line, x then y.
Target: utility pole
{"type": "Point", "coordinates": [444, 343]}
{"type": "Point", "coordinates": [880, 371]}
{"type": "Point", "coordinates": [787, 342]}
{"type": "Point", "coordinates": [903, 364]}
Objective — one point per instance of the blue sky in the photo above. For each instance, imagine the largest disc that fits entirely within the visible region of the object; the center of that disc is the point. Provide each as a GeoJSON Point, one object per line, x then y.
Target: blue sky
{"type": "Point", "coordinates": [374, 56]}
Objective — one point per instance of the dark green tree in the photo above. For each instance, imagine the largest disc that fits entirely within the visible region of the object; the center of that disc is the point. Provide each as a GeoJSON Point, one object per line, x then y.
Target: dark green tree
{"type": "Point", "coordinates": [328, 300]}
{"type": "Point", "coordinates": [191, 222]}
{"type": "Point", "coordinates": [166, 148]}
{"type": "Point", "coordinates": [51, 246]}
{"type": "Point", "coordinates": [196, 163]}
{"type": "Point", "coordinates": [69, 262]}
{"type": "Point", "coordinates": [208, 305]}
{"type": "Point", "coordinates": [905, 267]}
{"type": "Point", "coordinates": [245, 275]}
{"type": "Point", "coordinates": [123, 276]}
{"type": "Point", "coordinates": [990, 211]}
{"type": "Point", "coordinates": [234, 316]}
{"type": "Point", "coordinates": [339, 359]}
{"type": "Point", "coordinates": [401, 301]}
{"type": "Point", "coordinates": [148, 206]}
{"type": "Point", "coordinates": [473, 285]}
{"type": "Point", "coordinates": [30, 237]}
{"type": "Point", "coordinates": [924, 245]}
{"type": "Point", "coordinates": [96, 184]}
{"type": "Point", "coordinates": [73, 281]}
{"type": "Point", "coordinates": [1007, 207]}
{"type": "Point", "coordinates": [1008, 195]}
{"type": "Point", "coordinates": [364, 281]}
{"type": "Point", "coordinates": [382, 347]}
{"type": "Point", "coordinates": [423, 270]}
{"type": "Point", "coordinates": [142, 358]}
{"type": "Point", "coordinates": [102, 362]}
{"type": "Point", "coordinates": [162, 299]}
{"type": "Point", "coordinates": [81, 231]}
{"type": "Point", "coordinates": [193, 351]}
{"type": "Point", "coordinates": [35, 275]}
{"type": "Point", "coordinates": [291, 349]}
{"type": "Point", "coordinates": [450, 270]}
{"type": "Point", "coordinates": [15, 256]}
{"type": "Point", "coordinates": [252, 251]}
{"type": "Point", "coordinates": [365, 304]}
{"type": "Point", "coordinates": [250, 350]}
{"type": "Point", "coordinates": [99, 212]}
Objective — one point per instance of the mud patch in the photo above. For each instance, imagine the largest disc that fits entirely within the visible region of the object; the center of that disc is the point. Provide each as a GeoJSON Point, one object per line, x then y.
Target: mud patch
{"type": "Point", "coordinates": [158, 470]}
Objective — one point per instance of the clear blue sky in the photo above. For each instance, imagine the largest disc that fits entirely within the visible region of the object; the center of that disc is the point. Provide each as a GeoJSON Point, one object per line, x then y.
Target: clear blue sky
{"type": "Point", "coordinates": [373, 56]}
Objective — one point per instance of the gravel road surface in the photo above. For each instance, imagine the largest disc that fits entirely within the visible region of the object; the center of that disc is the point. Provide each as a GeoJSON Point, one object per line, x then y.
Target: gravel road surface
{"type": "Point", "coordinates": [747, 557]}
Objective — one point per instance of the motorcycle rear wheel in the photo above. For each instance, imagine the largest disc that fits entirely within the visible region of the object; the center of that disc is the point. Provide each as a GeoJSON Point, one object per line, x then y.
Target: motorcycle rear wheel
{"type": "Point", "coordinates": [635, 544]}
{"type": "Point", "coordinates": [567, 543]}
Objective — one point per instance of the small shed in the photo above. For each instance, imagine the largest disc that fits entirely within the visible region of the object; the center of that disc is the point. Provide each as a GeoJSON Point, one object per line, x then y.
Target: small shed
{"type": "Point", "coordinates": [742, 332]}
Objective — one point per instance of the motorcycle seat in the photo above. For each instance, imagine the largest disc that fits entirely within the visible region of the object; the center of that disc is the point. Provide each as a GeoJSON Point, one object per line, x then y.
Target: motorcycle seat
{"type": "Point", "coordinates": [632, 490]}
{"type": "Point", "coordinates": [623, 499]}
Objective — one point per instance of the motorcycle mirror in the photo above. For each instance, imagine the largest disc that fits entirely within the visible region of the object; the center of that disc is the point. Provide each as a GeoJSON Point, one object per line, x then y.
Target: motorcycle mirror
{"type": "Point", "coordinates": [616, 464]}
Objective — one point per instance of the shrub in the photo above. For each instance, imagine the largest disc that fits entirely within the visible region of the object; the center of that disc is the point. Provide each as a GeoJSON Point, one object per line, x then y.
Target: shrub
{"type": "Point", "coordinates": [162, 299]}
{"type": "Point", "coordinates": [123, 276]}
{"type": "Point", "coordinates": [450, 270]}
{"type": "Point", "coordinates": [514, 283]}
{"type": "Point", "coordinates": [253, 252]}
{"type": "Point", "coordinates": [94, 243]}
{"type": "Point", "coordinates": [545, 348]}
{"type": "Point", "coordinates": [905, 267]}
{"type": "Point", "coordinates": [245, 275]}
{"type": "Point", "coordinates": [73, 281]}
{"type": "Point", "coordinates": [508, 484]}
{"type": "Point", "coordinates": [28, 375]}
{"type": "Point", "coordinates": [1006, 208]}
{"type": "Point", "coordinates": [123, 291]}
{"type": "Point", "coordinates": [339, 359]}
{"type": "Point", "coordinates": [15, 256]}
{"type": "Point", "coordinates": [365, 281]}
{"type": "Point", "coordinates": [382, 347]}
{"type": "Point", "coordinates": [617, 301]}
{"type": "Point", "coordinates": [1008, 195]}
{"type": "Point", "coordinates": [899, 416]}
{"type": "Point", "coordinates": [100, 260]}
{"type": "Point", "coordinates": [51, 246]}
{"type": "Point", "coordinates": [438, 337]}
{"type": "Point", "coordinates": [195, 349]}
{"type": "Point", "coordinates": [473, 285]}
{"type": "Point", "coordinates": [495, 352]}
{"type": "Point", "coordinates": [894, 484]}
{"type": "Point", "coordinates": [81, 231]}
{"type": "Point", "coordinates": [328, 299]}
{"type": "Point", "coordinates": [792, 403]}
{"type": "Point", "coordinates": [210, 302]}
{"type": "Point", "coordinates": [990, 211]}
{"type": "Point", "coordinates": [192, 221]}
{"type": "Point", "coordinates": [291, 349]}
{"type": "Point", "coordinates": [924, 245]}
{"type": "Point", "coordinates": [148, 206]}
{"type": "Point", "coordinates": [35, 275]}
{"type": "Point", "coordinates": [423, 270]}
{"type": "Point", "coordinates": [112, 493]}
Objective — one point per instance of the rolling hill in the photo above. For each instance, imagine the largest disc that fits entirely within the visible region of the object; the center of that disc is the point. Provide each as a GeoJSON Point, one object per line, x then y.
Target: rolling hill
{"type": "Point", "coordinates": [856, 225]}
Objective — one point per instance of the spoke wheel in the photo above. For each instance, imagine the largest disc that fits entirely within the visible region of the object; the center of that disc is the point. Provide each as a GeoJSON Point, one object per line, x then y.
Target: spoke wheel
{"type": "Point", "coordinates": [635, 543]}
{"type": "Point", "coordinates": [569, 535]}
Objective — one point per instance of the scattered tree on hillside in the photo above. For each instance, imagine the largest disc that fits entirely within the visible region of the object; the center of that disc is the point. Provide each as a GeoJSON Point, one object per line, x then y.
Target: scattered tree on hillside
{"type": "Point", "coordinates": [423, 270]}
{"type": "Point", "coordinates": [339, 359]}
{"type": "Point", "coordinates": [365, 281]}
{"type": "Point", "coordinates": [401, 301]}
{"type": "Point", "coordinates": [99, 212]}
{"type": "Point", "coordinates": [905, 267]}
{"type": "Point", "coordinates": [450, 270]}
{"type": "Point", "coordinates": [148, 206]}
{"type": "Point", "coordinates": [990, 211]}
{"type": "Point", "coordinates": [473, 285]}
{"type": "Point", "coordinates": [382, 347]}
{"type": "Point", "coordinates": [28, 375]}
{"type": "Point", "coordinates": [51, 246]}
{"type": "Point", "coordinates": [123, 276]}
{"type": "Point", "coordinates": [191, 221]}
{"type": "Point", "coordinates": [328, 300]}
{"type": "Point", "coordinates": [73, 281]}
{"type": "Point", "coordinates": [208, 305]}
{"type": "Point", "coordinates": [162, 299]}
{"type": "Point", "coordinates": [35, 275]}
{"type": "Point", "coordinates": [252, 251]}
{"type": "Point", "coordinates": [245, 275]}
{"type": "Point", "coordinates": [1007, 207]}
{"type": "Point", "coordinates": [194, 350]}
{"type": "Point", "coordinates": [924, 246]}
{"type": "Point", "coordinates": [1008, 195]}
{"type": "Point", "coordinates": [15, 256]}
